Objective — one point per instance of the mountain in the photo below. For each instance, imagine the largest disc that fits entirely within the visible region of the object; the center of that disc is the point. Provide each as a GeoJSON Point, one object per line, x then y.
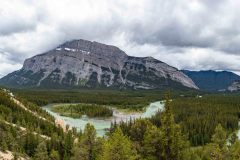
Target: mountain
{"type": "Point", "coordinates": [212, 80]}
{"type": "Point", "coordinates": [82, 63]}
{"type": "Point", "coordinates": [235, 86]}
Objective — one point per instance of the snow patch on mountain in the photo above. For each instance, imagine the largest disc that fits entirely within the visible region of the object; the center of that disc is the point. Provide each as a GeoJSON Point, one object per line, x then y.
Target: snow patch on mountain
{"type": "Point", "coordinates": [92, 64]}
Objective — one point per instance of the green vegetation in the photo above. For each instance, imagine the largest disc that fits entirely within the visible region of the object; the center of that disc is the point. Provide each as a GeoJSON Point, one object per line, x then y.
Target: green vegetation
{"type": "Point", "coordinates": [166, 142]}
{"type": "Point", "coordinates": [27, 135]}
{"type": "Point", "coordinates": [11, 112]}
{"type": "Point", "coordinates": [88, 146]}
{"type": "Point", "coordinates": [199, 116]}
{"type": "Point", "coordinates": [170, 135]}
{"type": "Point", "coordinates": [41, 152]}
{"type": "Point", "coordinates": [78, 110]}
{"type": "Point", "coordinates": [134, 140]}
{"type": "Point", "coordinates": [127, 100]}
{"type": "Point", "coordinates": [141, 139]}
{"type": "Point", "coordinates": [118, 147]}
{"type": "Point", "coordinates": [100, 97]}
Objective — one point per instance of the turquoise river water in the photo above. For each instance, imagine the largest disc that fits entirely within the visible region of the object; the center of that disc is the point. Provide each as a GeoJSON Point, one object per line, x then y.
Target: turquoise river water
{"type": "Point", "coordinates": [101, 125]}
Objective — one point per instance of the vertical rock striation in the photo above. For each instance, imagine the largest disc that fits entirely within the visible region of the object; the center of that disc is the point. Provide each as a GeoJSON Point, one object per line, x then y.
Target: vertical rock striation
{"type": "Point", "coordinates": [81, 63]}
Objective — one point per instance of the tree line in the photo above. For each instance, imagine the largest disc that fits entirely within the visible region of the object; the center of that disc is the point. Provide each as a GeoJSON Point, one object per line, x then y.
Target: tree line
{"type": "Point", "coordinates": [78, 110]}
{"type": "Point", "coordinates": [199, 116]}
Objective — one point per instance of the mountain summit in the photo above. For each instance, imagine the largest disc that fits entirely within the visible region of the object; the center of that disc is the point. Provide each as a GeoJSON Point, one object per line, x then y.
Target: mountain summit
{"type": "Point", "coordinates": [82, 63]}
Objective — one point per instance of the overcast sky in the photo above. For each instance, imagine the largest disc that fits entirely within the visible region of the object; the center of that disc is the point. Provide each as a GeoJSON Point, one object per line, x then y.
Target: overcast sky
{"type": "Point", "coordinates": [187, 34]}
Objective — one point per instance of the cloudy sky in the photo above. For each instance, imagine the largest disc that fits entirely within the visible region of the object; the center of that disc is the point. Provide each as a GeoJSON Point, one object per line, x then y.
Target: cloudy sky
{"type": "Point", "coordinates": [188, 34]}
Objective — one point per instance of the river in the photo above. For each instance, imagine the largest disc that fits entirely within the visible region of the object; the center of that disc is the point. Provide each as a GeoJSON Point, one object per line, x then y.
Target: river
{"type": "Point", "coordinates": [102, 124]}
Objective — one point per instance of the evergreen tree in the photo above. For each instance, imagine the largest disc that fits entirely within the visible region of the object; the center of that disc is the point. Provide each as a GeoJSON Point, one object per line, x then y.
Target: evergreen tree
{"type": "Point", "coordinates": [220, 137]}
{"type": "Point", "coordinates": [213, 152]}
{"type": "Point", "coordinates": [68, 144]}
{"type": "Point", "coordinates": [138, 129]}
{"type": "Point", "coordinates": [3, 145]}
{"type": "Point", "coordinates": [152, 145]}
{"type": "Point", "coordinates": [85, 150]}
{"type": "Point", "coordinates": [118, 147]}
{"type": "Point", "coordinates": [235, 150]}
{"type": "Point", "coordinates": [217, 150]}
{"type": "Point", "coordinates": [173, 142]}
{"type": "Point", "coordinates": [41, 152]}
{"type": "Point", "coordinates": [54, 155]}
{"type": "Point", "coordinates": [31, 143]}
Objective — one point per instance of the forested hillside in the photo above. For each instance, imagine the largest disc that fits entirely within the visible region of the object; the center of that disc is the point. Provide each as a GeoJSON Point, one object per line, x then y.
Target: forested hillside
{"type": "Point", "coordinates": [199, 116]}
{"type": "Point", "coordinates": [27, 135]}
{"type": "Point", "coordinates": [190, 128]}
{"type": "Point", "coordinates": [204, 132]}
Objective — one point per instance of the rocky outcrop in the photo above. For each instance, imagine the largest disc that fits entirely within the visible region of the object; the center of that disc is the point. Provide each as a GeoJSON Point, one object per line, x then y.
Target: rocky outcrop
{"type": "Point", "coordinates": [81, 63]}
{"type": "Point", "coordinates": [234, 87]}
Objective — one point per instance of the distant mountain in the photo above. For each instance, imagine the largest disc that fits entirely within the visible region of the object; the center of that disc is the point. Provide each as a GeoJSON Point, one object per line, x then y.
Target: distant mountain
{"type": "Point", "coordinates": [212, 80]}
{"type": "Point", "coordinates": [81, 63]}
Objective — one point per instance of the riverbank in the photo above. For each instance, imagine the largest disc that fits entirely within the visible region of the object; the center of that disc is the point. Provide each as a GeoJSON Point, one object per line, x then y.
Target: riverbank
{"type": "Point", "coordinates": [102, 124]}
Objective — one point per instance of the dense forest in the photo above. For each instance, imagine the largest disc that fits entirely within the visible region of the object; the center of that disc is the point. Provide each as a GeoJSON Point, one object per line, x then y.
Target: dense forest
{"type": "Point", "coordinates": [78, 110]}
{"type": "Point", "coordinates": [199, 116]}
{"type": "Point", "coordinates": [177, 133]}
{"type": "Point", "coordinates": [126, 99]}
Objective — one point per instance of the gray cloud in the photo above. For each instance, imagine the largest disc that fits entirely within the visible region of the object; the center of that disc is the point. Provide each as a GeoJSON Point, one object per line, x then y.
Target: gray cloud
{"type": "Point", "coordinates": [192, 24]}
{"type": "Point", "coordinates": [7, 65]}
{"type": "Point", "coordinates": [16, 17]}
{"type": "Point", "coordinates": [198, 34]}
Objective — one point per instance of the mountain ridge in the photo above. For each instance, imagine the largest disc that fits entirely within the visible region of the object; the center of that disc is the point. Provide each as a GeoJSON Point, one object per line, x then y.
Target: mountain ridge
{"type": "Point", "coordinates": [82, 63]}
{"type": "Point", "coordinates": [211, 80]}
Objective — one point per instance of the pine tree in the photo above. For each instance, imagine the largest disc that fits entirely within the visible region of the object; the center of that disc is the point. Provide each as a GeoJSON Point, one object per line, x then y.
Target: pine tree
{"type": "Point", "coordinates": [68, 144]}
{"type": "Point", "coordinates": [220, 137]}
{"type": "Point", "coordinates": [217, 150]}
{"type": "Point", "coordinates": [41, 152]}
{"type": "Point", "coordinates": [118, 147]}
{"type": "Point", "coordinates": [235, 150]}
{"type": "Point", "coordinates": [31, 142]}
{"type": "Point", "coordinates": [213, 152]}
{"type": "Point", "coordinates": [138, 129]}
{"type": "Point", "coordinates": [3, 145]}
{"type": "Point", "coordinates": [54, 155]}
{"type": "Point", "coordinates": [85, 150]}
{"type": "Point", "coordinates": [152, 144]}
{"type": "Point", "coordinates": [173, 141]}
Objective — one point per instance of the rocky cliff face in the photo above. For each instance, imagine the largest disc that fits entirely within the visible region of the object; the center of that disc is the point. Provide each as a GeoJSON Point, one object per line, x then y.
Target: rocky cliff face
{"type": "Point", "coordinates": [81, 63]}
{"type": "Point", "coordinates": [234, 87]}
